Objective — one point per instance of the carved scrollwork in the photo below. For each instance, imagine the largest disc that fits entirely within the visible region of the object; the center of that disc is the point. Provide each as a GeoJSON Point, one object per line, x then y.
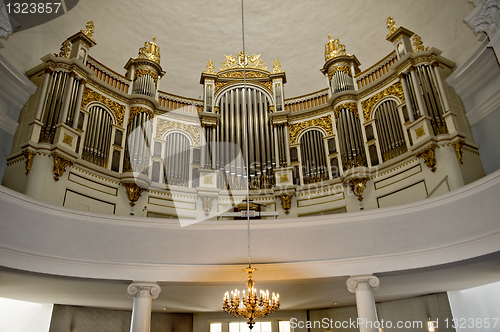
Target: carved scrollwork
{"type": "Point", "coordinates": [29, 155]}
{"type": "Point", "coordinates": [394, 90]}
{"type": "Point", "coordinates": [350, 106]}
{"type": "Point", "coordinates": [91, 95]}
{"type": "Point", "coordinates": [147, 290]}
{"type": "Point", "coordinates": [207, 203]}
{"type": "Point", "coordinates": [133, 192]}
{"type": "Point", "coordinates": [358, 186]}
{"type": "Point", "coordinates": [286, 202]}
{"type": "Point", "coordinates": [458, 150]}
{"type": "Point", "coordinates": [429, 156]}
{"type": "Point", "coordinates": [323, 122]}
{"type": "Point", "coordinates": [163, 125]}
{"type": "Point", "coordinates": [363, 283]}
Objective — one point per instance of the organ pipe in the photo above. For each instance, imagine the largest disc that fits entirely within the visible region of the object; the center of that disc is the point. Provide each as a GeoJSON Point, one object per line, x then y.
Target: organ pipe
{"type": "Point", "coordinates": [390, 131]}
{"type": "Point", "coordinates": [352, 148]}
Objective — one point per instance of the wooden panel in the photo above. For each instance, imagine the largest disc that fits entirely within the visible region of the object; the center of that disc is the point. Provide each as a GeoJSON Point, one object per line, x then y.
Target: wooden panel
{"type": "Point", "coordinates": [170, 203]}
{"type": "Point", "coordinates": [413, 193]}
{"type": "Point", "coordinates": [77, 201]}
{"type": "Point", "coordinates": [92, 184]}
{"type": "Point", "coordinates": [398, 177]}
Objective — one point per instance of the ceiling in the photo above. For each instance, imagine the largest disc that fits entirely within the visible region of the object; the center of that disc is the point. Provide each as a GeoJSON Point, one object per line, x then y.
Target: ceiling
{"type": "Point", "coordinates": [207, 297]}
{"type": "Point", "coordinates": [191, 32]}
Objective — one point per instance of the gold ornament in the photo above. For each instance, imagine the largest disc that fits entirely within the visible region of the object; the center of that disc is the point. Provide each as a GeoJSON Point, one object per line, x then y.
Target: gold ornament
{"type": "Point", "coordinates": [333, 48]}
{"type": "Point", "coordinates": [207, 203]}
{"type": "Point", "coordinates": [68, 140]}
{"type": "Point", "coordinates": [458, 150]}
{"type": "Point", "coordinates": [323, 122]}
{"type": "Point", "coordinates": [163, 125]}
{"type": "Point", "coordinates": [358, 187]}
{"type": "Point", "coordinates": [137, 110]}
{"type": "Point", "coordinates": [418, 45]}
{"type": "Point", "coordinates": [286, 202]}
{"type": "Point", "coordinates": [89, 30]}
{"type": "Point", "coordinates": [210, 67]}
{"type": "Point", "coordinates": [350, 106]}
{"type": "Point", "coordinates": [133, 192]}
{"type": "Point", "coordinates": [65, 50]}
{"type": "Point", "coordinates": [239, 74]}
{"type": "Point", "coordinates": [150, 51]}
{"type": "Point", "coordinates": [277, 67]}
{"type": "Point", "coordinates": [391, 25]}
{"type": "Point", "coordinates": [29, 155]}
{"type": "Point", "coordinates": [142, 72]}
{"type": "Point", "coordinates": [60, 164]}
{"type": "Point", "coordinates": [429, 156]}
{"type": "Point", "coordinates": [242, 61]}
{"type": "Point", "coordinates": [394, 90]}
{"type": "Point", "coordinates": [90, 95]}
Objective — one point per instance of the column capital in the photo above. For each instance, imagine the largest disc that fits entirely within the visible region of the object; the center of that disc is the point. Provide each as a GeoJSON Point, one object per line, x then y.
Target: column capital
{"type": "Point", "coordinates": [366, 282]}
{"type": "Point", "coordinates": [143, 289]}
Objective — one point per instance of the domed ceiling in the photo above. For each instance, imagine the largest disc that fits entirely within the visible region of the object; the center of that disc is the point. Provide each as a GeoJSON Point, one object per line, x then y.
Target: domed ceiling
{"type": "Point", "coordinates": [191, 32]}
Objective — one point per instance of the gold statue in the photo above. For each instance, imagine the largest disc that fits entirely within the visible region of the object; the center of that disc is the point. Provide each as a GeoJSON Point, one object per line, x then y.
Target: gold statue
{"type": "Point", "coordinates": [89, 30]}
{"type": "Point", "coordinates": [150, 51]}
{"type": "Point", "coordinates": [391, 25]}
{"type": "Point", "coordinates": [65, 49]}
{"type": "Point", "coordinates": [210, 67]}
{"type": "Point", "coordinates": [418, 45]}
{"type": "Point", "coordinates": [333, 48]}
{"type": "Point", "coordinates": [242, 61]}
{"type": "Point", "coordinates": [277, 67]}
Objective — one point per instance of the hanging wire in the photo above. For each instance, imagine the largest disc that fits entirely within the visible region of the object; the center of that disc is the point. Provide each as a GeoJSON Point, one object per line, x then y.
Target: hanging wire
{"type": "Point", "coordinates": [246, 132]}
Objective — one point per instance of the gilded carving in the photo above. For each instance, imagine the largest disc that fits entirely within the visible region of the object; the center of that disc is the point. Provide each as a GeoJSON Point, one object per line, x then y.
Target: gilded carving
{"type": "Point", "coordinates": [67, 139]}
{"type": "Point", "coordinates": [458, 150]}
{"type": "Point", "coordinates": [210, 67]}
{"type": "Point", "coordinates": [350, 106]}
{"type": "Point", "coordinates": [242, 61]}
{"type": "Point", "coordinates": [394, 90]}
{"type": "Point", "coordinates": [60, 164]}
{"type": "Point", "coordinates": [358, 187]}
{"type": "Point", "coordinates": [65, 50]}
{"type": "Point", "coordinates": [266, 85]}
{"type": "Point", "coordinates": [286, 202]}
{"type": "Point", "coordinates": [142, 72]}
{"type": "Point", "coordinates": [323, 122]}
{"type": "Point", "coordinates": [391, 25]}
{"type": "Point", "coordinates": [163, 125]}
{"type": "Point", "coordinates": [29, 155]}
{"type": "Point", "coordinates": [344, 69]}
{"type": "Point", "coordinates": [150, 52]}
{"type": "Point", "coordinates": [277, 67]}
{"type": "Point", "coordinates": [133, 192]}
{"type": "Point", "coordinates": [420, 132]}
{"type": "Point", "coordinates": [418, 45]}
{"type": "Point", "coordinates": [207, 180]}
{"type": "Point", "coordinates": [91, 95]}
{"type": "Point", "coordinates": [239, 74]}
{"type": "Point", "coordinates": [333, 48]}
{"type": "Point", "coordinates": [207, 203]}
{"type": "Point", "coordinates": [429, 156]}
{"type": "Point", "coordinates": [89, 30]}
{"type": "Point", "coordinates": [284, 178]}
{"type": "Point", "coordinates": [137, 110]}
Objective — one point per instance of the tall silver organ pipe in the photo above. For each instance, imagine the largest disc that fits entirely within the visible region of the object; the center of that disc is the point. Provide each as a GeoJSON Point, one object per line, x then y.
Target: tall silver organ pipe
{"type": "Point", "coordinates": [97, 142]}
{"type": "Point", "coordinates": [352, 150]}
{"type": "Point", "coordinates": [138, 144]}
{"type": "Point", "coordinates": [53, 106]}
{"type": "Point", "coordinates": [144, 85]}
{"type": "Point", "coordinates": [177, 160]}
{"type": "Point", "coordinates": [390, 130]}
{"type": "Point", "coordinates": [341, 81]}
{"type": "Point", "coordinates": [430, 91]}
{"type": "Point", "coordinates": [251, 130]}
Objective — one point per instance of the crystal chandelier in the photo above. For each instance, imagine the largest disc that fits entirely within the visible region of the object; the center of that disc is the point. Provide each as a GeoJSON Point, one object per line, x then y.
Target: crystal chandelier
{"type": "Point", "coordinates": [251, 305]}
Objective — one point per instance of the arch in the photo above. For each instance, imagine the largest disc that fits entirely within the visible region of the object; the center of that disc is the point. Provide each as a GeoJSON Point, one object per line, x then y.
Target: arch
{"type": "Point", "coordinates": [305, 130]}
{"type": "Point", "coordinates": [106, 108]}
{"type": "Point", "coordinates": [381, 101]}
{"type": "Point", "coordinates": [237, 85]}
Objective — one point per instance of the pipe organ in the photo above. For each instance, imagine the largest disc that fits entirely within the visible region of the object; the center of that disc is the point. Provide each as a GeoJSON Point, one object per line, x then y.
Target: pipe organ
{"type": "Point", "coordinates": [243, 134]}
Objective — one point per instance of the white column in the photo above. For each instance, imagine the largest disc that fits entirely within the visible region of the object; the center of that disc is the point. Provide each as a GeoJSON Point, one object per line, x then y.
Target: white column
{"type": "Point", "coordinates": [143, 295]}
{"type": "Point", "coordinates": [363, 287]}
{"type": "Point", "coordinates": [67, 98]}
{"type": "Point", "coordinates": [276, 145]}
{"type": "Point", "coordinates": [287, 145]}
{"type": "Point", "coordinates": [439, 80]}
{"type": "Point", "coordinates": [418, 93]}
{"type": "Point", "coordinates": [409, 107]}
{"type": "Point", "coordinates": [78, 103]}
{"type": "Point", "coordinates": [43, 92]}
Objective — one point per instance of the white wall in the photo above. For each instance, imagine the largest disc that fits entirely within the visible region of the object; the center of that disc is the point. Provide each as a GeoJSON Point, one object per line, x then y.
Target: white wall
{"type": "Point", "coordinates": [478, 303]}
{"type": "Point", "coordinates": [20, 316]}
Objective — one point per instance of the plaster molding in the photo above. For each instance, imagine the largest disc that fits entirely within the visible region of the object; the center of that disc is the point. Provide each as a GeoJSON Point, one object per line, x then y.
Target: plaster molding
{"type": "Point", "coordinates": [147, 290]}
{"type": "Point", "coordinates": [5, 26]}
{"type": "Point", "coordinates": [14, 86]}
{"type": "Point", "coordinates": [485, 17]}
{"type": "Point", "coordinates": [362, 283]}
{"type": "Point", "coordinates": [7, 124]}
{"type": "Point", "coordinates": [486, 107]}
{"type": "Point", "coordinates": [475, 73]}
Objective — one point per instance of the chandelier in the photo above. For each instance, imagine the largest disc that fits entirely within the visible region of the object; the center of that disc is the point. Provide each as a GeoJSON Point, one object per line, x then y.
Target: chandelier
{"type": "Point", "coordinates": [251, 305]}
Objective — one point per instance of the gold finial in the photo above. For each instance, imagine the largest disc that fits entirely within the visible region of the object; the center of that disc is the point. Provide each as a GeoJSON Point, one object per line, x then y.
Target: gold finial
{"type": "Point", "coordinates": [242, 61]}
{"type": "Point", "coordinates": [210, 67]}
{"type": "Point", "coordinates": [418, 45]}
{"type": "Point", "coordinates": [277, 67]}
{"type": "Point", "coordinates": [65, 49]}
{"type": "Point", "coordinates": [391, 25]}
{"type": "Point", "coordinates": [89, 30]}
{"type": "Point", "coordinates": [333, 48]}
{"type": "Point", "coordinates": [150, 51]}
